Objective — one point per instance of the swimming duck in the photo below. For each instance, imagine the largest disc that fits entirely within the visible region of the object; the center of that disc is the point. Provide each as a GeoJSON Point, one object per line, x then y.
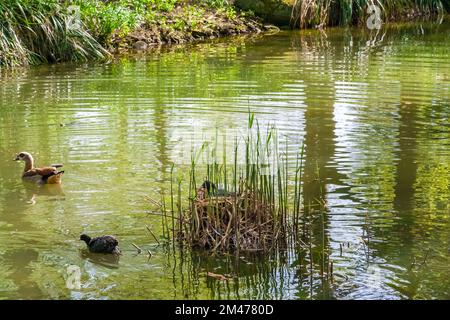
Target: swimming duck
{"type": "Point", "coordinates": [103, 244]}
{"type": "Point", "coordinates": [50, 175]}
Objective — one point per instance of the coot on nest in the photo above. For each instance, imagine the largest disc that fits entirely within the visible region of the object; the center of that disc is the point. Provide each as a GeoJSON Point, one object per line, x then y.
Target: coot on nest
{"type": "Point", "coordinates": [103, 244]}
{"type": "Point", "coordinates": [212, 189]}
{"type": "Point", "coordinates": [209, 186]}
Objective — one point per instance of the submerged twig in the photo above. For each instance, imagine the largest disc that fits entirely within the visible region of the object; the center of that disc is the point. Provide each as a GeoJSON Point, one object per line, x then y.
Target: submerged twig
{"type": "Point", "coordinates": [137, 248]}
{"type": "Point", "coordinates": [153, 235]}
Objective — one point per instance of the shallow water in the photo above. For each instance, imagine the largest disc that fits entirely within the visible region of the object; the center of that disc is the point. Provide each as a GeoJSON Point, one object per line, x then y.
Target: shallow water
{"type": "Point", "coordinates": [372, 109]}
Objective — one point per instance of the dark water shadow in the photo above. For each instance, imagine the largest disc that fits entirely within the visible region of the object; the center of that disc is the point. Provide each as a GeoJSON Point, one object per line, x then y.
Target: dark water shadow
{"type": "Point", "coordinates": [247, 275]}
{"type": "Point", "coordinates": [110, 261]}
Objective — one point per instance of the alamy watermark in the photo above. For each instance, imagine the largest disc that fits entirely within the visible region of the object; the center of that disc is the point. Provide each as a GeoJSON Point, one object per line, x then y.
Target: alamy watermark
{"type": "Point", "coordinates": [73, 281]}
{"type": "Point", "coordinates": [374, 21]}
{"type": "Point", "coordinates": [73, 21]}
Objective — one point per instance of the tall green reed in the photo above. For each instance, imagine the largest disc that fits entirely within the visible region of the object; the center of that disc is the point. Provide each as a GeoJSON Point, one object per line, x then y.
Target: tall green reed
{"type": "Point", "coordinates": [256, 203]}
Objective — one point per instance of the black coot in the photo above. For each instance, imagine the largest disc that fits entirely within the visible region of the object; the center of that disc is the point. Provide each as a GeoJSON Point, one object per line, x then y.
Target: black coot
{"type": "Point", "coordinates": [103, 244]}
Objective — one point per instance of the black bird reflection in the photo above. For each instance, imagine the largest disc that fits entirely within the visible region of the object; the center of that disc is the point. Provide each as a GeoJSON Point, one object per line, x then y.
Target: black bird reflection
{"type": "Point", "coordinates": [110, 261]}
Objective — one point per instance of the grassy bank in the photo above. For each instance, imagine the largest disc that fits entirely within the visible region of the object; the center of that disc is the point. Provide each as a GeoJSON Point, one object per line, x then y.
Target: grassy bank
{"type": "Point", "coordinates": [138, 24]}
{"type": "Point", "coordinates": [36, 31]}
{"type": "Point", "coordinates": [45, 31]}
{"type": "Point", "coordinates": [313, 13]}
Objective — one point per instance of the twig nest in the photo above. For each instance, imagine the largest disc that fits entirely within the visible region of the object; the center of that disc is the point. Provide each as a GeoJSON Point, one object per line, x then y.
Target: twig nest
{"type": "Point", "coordinates": [223, 223]}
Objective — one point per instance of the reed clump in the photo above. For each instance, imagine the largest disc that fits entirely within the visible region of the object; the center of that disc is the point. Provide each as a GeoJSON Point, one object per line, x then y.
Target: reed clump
{"type": "Point", "coordinates": [250, 204]}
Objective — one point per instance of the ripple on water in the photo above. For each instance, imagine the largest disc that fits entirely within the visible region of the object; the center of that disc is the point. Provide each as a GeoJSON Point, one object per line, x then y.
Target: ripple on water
{"type": "Point", "coordinates": [374, 121]}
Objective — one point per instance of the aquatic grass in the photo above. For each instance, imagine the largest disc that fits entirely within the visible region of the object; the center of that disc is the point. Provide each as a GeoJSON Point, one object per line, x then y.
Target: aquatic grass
{"type": "Point", "coordinates": [314, 13]}
{"type": "Point", "coordinates": [250, 206]}
{"type": "Point", "coordinates": [38, 31]}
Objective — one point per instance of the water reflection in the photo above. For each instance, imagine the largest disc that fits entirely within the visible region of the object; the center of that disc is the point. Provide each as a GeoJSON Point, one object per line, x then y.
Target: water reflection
{"type": "Point", "coordinates": [243, 276]}
{"type": "Point", "coordinates": [372, 110]}
{"type": "Point", "coordinates": [18, 264]}
{"type": "Point", "coordinates": [47, 192]}
{"type": "Point", "coordinates": [105, 260]}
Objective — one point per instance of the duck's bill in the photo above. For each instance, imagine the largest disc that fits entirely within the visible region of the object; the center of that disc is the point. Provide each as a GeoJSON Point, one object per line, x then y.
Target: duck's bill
{"type": "Point", "coordinates": [16, 158]}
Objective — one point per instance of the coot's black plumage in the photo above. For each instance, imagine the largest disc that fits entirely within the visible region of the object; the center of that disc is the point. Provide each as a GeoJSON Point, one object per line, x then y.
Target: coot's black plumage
{"type": "Point", "coordinates": [209, 186]}
{"type": "Point", "coordinates": [103, 244]}
{"type": "Point", "coordinates": [212, 189]}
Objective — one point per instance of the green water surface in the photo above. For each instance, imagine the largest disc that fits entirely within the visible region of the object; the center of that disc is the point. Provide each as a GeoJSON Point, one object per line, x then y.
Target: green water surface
{"type": "Point", "coordinates": [373, 109]}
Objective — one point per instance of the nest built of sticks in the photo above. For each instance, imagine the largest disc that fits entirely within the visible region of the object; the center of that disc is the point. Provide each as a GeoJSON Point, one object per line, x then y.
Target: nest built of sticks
{"type": "Point", "coordinates": [258, 208]}
{"type": "Point", "coordinates": [238, 221]}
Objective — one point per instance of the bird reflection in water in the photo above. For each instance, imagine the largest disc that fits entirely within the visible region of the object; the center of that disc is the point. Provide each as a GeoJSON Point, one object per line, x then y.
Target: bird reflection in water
{"type": "Point", "coordinates": [51, 192]}
{"type": "Point", "coordinates": [106, 260]}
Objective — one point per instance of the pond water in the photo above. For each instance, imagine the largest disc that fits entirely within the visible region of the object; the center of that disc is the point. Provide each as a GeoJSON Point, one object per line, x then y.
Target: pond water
{"type": "Point", "coordinates": [373, 109]}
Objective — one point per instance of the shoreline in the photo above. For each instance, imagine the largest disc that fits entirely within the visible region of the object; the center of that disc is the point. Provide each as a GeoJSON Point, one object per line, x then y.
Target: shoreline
{"type": "Point", "coordinates": [97, 29]}
{"type": "Point", "coordinates": [212, 24]}
{"type": "Point", "coordinates": [105, 28]}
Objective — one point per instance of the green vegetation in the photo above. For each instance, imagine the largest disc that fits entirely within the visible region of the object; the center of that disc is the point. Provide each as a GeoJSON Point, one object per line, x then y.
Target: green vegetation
{"type": "Point", "coordinates": [310, 13]}
{"type": "Point", "coordinates": [105, 18]}
{"type": "Point", "coordinates": [176, 21]}
{"type": "Point", "coordinates": [38, 31]}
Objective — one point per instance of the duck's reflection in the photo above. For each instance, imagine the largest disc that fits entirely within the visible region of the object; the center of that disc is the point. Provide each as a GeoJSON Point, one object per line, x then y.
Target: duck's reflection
{"type": "Point", "coordinates": [51, 192]}
{"type": "Point", "coordinates": [103, 259]}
